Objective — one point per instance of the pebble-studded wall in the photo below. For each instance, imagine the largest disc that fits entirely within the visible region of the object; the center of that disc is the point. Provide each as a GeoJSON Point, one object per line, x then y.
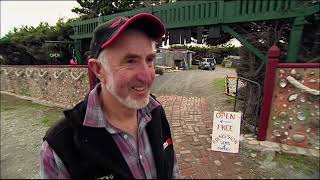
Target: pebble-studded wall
{"type": "Point", "coordinates": [295, 117]}
{"type": "Point", "coordinates": [63, 86]}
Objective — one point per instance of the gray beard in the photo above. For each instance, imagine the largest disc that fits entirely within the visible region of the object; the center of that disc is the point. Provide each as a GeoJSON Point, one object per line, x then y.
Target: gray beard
{"type": "Point", "coordinates": [127, 101]}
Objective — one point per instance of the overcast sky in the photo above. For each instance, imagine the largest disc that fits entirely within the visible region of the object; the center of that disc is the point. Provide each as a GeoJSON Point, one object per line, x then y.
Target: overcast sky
{"type": "Point", "coordinates": [31, 13]}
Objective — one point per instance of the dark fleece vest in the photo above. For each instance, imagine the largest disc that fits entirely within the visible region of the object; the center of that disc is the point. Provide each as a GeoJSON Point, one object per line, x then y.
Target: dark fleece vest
{"type": "Point", "coordinates": [90, 153]}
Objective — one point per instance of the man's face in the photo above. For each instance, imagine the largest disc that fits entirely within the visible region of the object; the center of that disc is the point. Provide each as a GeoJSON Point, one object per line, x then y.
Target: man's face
{"type": "Point", "coordinates": [131, 71]}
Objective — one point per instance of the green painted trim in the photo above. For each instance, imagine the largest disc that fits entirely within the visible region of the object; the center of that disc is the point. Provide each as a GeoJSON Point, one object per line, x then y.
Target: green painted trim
{"type": "Point", "coordinates": [295, 39]}
{"type": "Point", "coordinates": [78, 47]}
{"type": "Point", "coordinates": [220, 11]}
{"type": "Point", "coordinates": [201, 13]}
{"type": "Point", "coordinates": [82, 36]}
{"type": "Point", "coordinates": [183, 14]}
{"type": "Point", "coordinates": [244, 42]}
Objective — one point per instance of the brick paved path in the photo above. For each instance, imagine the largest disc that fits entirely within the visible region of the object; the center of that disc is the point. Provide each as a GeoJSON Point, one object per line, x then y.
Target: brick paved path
{"type": "Point", "coordinates": [191, 128]}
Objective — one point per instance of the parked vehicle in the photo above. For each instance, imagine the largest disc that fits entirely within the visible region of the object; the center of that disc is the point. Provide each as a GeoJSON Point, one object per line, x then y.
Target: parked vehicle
{"type": "Point", "coordinates": [196, 59]}
{"type": "Point", "coordinates": [207, 63]}
{"type": "Point", "coordinates": [195, 62]}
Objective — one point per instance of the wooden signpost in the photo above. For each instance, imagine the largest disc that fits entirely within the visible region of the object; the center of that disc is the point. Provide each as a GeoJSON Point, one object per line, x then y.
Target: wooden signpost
{"type": "Point", "coordinates": [226, 131]}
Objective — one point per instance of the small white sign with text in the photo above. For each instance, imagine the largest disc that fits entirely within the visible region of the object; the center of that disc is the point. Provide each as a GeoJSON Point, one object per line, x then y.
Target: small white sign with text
{"type": "Point", "coordinates": [226, 131]}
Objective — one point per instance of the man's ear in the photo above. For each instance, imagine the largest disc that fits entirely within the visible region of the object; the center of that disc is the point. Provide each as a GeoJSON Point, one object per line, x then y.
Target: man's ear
{"type": "Point", "coordinates": [96, 67]}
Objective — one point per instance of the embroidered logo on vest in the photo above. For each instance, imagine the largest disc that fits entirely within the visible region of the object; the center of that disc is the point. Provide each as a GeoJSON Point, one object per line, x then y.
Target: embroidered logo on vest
{"type": "Point", "coordinates": [167, 143]}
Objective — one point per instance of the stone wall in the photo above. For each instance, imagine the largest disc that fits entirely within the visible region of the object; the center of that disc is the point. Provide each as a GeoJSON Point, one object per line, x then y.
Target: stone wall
{"type": "Point", "coordinates": [62, 86]}
{"type": "Point", "coordinates": [295, 117]}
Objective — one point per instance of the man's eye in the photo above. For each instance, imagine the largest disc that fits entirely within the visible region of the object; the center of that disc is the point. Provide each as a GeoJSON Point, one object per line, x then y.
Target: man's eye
{"type": "Point", "coordinates": [130, 61]}
{"type": "Point", "coordinates": [150, 60]}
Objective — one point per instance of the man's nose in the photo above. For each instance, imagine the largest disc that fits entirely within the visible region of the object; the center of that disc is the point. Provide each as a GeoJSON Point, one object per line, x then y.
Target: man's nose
{"type": "Point", "coordinates": [145, 73]}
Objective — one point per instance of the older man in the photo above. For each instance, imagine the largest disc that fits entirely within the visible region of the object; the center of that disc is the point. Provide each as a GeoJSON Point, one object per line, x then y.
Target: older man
{"type": "Point", "coordinates": [119, 131]}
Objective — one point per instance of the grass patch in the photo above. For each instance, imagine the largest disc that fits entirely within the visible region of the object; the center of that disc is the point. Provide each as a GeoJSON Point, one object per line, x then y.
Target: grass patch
{"type": "Point", "coordinates": [305, 164]}
{"type": "Point", "coordinates": [11, 103]}
{"type": "Point", "coordinates": [51, 116]}
{"type": "Point", "coordinates": [44, 114]}
{"type": "Point", "coordinates": [231, 100]}
{"type": "Point", "coordinates": [219, 84]}
{"type": "Point", "coordinates": [280, 165]}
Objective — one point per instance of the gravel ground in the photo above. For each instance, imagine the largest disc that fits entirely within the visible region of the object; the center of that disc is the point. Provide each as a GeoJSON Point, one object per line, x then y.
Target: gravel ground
{"type": "Point", "coordinates": [197, 83]}
{"type": "Point", "coordinates": [193, 82]}
{"type": "Point", "coordinates": [20, 144]}
{"type": "Point", "coordinates": [22, 129]}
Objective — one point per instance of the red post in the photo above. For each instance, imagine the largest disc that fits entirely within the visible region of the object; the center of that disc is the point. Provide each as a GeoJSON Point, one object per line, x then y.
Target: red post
{"type": "Point", "coordinates": [269, 81]}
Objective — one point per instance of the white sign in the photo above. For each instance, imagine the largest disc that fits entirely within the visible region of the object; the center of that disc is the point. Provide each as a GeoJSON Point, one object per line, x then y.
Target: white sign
{"type": "Point", "coordinates": [226, 131]}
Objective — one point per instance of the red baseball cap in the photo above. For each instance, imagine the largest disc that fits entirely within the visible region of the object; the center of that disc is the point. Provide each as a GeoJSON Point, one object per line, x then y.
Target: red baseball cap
{"type": "Point", "coordinates": [105, 34]}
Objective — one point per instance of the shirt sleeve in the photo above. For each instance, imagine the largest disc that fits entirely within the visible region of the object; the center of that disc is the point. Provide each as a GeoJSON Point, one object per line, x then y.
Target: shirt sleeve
{"type": "Point", "coordinates": [51, 166]}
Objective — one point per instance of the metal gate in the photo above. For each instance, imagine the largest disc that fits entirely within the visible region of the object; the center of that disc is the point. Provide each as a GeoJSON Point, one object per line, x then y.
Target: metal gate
{"type": "Point", "coordinates": [250, 117]}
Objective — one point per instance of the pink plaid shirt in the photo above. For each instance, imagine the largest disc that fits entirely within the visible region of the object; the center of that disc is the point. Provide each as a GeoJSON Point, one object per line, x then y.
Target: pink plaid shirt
{"type": "Point", "coordinates": [138, 155]}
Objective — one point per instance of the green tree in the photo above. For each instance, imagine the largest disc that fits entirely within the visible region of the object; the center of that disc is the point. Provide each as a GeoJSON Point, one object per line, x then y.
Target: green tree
{"type": "Point", "coordinates": [32, 40]}
{"type": "Point", "coordinates": [93, 8]}
{"type": "Point", "coordinates": [29, 34]}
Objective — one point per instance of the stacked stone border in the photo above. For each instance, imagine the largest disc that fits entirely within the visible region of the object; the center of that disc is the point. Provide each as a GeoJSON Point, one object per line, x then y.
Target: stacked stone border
{"type": "Point", "coordinates": [57, 85]}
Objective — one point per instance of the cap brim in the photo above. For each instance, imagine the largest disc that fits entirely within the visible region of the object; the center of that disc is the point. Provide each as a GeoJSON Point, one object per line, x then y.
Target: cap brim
{"type": "Point", "coordinates": [144, 21]}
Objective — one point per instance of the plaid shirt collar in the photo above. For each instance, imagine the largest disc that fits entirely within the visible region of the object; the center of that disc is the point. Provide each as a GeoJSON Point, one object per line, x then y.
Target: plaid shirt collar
{"type": "Point", "coordinates": [95, 118]}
